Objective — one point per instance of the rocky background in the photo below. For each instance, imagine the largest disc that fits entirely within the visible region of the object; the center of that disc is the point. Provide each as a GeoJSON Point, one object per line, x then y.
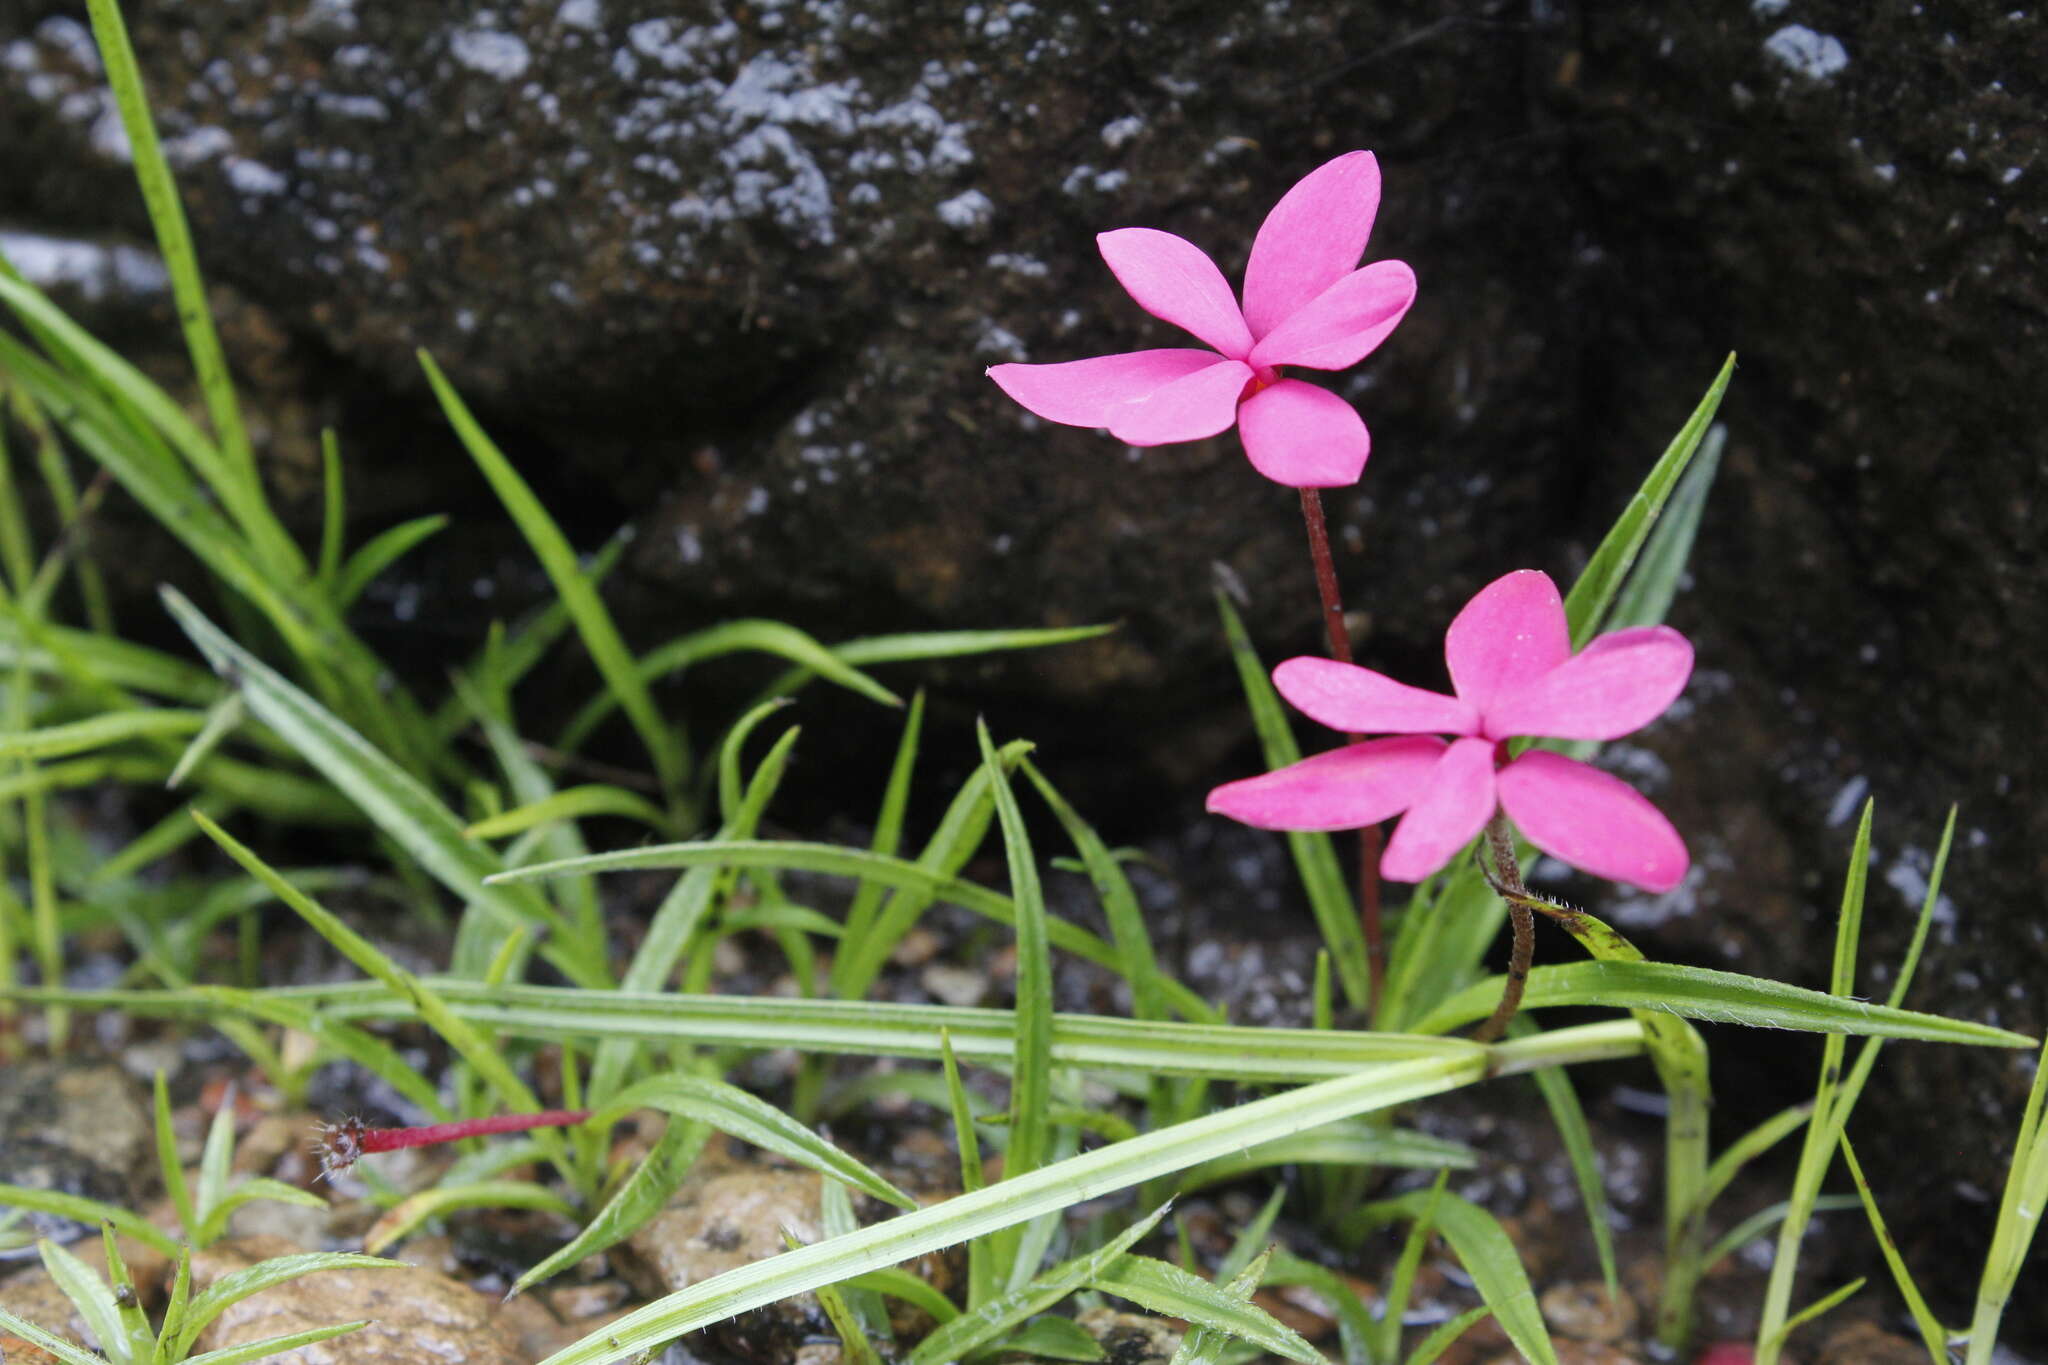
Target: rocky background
{"type": "Point", "coordinates": [729, 273]}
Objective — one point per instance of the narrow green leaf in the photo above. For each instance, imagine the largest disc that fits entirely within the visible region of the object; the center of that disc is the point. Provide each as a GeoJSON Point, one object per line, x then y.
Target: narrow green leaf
{"type": "Point", "coordinates": [221, 721]}
{"type": "Point", "coordinates": [1569, 1119]}
{"type": "Point", "coordinates": [1714, 997]}
{"type": "Point", "coordinates": [901, 1284]}
{"type": "Point", "coordinates": [1762, 1221]}
{"type": "Point", "coordinates": [643, 1195]}
{"type": "Point", "coordinates": [231, 1288]}
{"type": "Point", "coordinates": [1645, 597]}
{"type": "Point", "coordinates": [135, 1330]}
{"type": "Point", "coordinates": [271, 1347]}
{"type": "Point", "coordinates": [215, 1224]}
{"type": "Point", "coordinates": [1750, 1146]}
{"type": "Point", "coordinates": [959, 1337]}
{"type": "Point", "coordinates": [1204, 1344]}
{"type": "Point", "coordinates": [216, 1160]}
{"type": "Point", "coordinates": [593, 622]}
{"type": "Point", "coordinates": [472, 1046]}
{"type": "Point", "coordinates": [1932, 1334]}
{"type": "Point", "coordinates": [888, 838]}
{"type": "Point", "coordinates": [732, 1110]}
{"type": "Point", "coordinates": [1586, 605]}
{"type": "Point", "coordinates": [80, 1209]}
{"type": "Point", "coordinates": [411, 1213]}
{"type": "Point", "coordinates": [1355, 1144]}
{"type": "Point", "coordinates": [981, 1273]}
{"type": "Point", "coordinates": [1395, 1306]}
{"type": "Point", "coordinates": [1439, 1340]}
{"type": "Point", "coordinates": [55, 1345]}
{"type": "Point", "coordinates": [574, 803]}
{"type": "Point", "coordinates": [1164, 1288]}
{"type": "Point", "coordinates": [333, 511]}
{"type": "Point", "coordinates": [1050, 1338]}
{"type": "Point", "coordinates": [1489, 1257]}
{"type": "Point", "coordinates": [379, 553]}
{"type": "Point", "coordinates": [2019, 1217]}
{"type": "Point", "coordinates": [409, 814]}
{"type": "Point", "coordinates": [100, 732]}
{"type": "Point", "coordinates": [1776, 1341]}
{"type": "Point", "coordinates": [92, 1298]}
{"type": "Point", "coordinates": [167, 1159]}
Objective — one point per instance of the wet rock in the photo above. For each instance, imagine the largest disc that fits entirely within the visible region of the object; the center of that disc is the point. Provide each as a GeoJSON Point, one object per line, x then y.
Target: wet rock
{"type": "Point", "coordinates": [1585, 1310]}
{"type": "Point", "coordinates": [1130, 1338]}
{"type": "Point", "coordinates": [416, 1317]}
{"type": "Point", "coordinates": [91, 1109]}
{"type": "Point", "coordinates": [35, 1298]}
{"type": "Point", "coordinates": [728, 1214]}
{"type": "Point", "coordinates": [39, 1165]}
{"type": "Point", "coordinates": [1865, 1343]}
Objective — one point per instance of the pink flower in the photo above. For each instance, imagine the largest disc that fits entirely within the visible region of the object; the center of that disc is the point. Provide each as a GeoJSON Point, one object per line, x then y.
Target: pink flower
{"type": "Point", "coordinates": [1514, 673]}
{"type": "Point", "coordinates": [1304, 304]}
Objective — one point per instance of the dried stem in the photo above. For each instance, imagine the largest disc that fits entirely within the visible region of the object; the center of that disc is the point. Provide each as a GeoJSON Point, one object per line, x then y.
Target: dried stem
{"type": "Point", "coordinates": [1340, 650]}
{"type": "Point", "coordinates": [1505, 875]}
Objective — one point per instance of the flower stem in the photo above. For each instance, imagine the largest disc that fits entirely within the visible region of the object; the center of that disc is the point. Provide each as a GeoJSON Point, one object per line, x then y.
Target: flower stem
{"type": "Point", "coordinates": [1507, 880]}
{"type": "Point", "coordinates": [1340, 650]}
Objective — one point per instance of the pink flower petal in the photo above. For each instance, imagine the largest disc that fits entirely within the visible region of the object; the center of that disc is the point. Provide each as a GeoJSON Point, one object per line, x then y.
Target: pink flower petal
{"type": "Point", "coordinates": [1312, 238]}
{"type": "Point", "coordinates": [1457, 803]}
{"type": "Point", "coordinates": [1198, 405]}
{"type": "Point", "coordinates": [1173, 279]}
{"type": "Point", "coordinates": [1591, 820]}
{"type": "Point", "coordinates": [1619, 683]}
{"type": "Point", "coordinates": [1344, 323]}
{"type": "Point", "coordinates": [1303, 436]}
{"type": "Point", "coordinates": [1359, 701]}
{"type": "Point", "coordinates": [1083, 393]}
{"type": "Point", "coordinates": [1348, 788]}
{"type": "Point", "coordinates": [1509, 635]}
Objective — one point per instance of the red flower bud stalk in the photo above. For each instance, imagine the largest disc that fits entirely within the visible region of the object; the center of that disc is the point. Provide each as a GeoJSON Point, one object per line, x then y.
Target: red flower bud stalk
{"type": "Point", "coordinates": [340, 1145]}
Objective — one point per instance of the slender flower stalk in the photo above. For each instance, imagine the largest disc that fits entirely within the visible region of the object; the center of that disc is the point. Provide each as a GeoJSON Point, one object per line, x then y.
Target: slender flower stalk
{"type": "Point", "coordinates": [1504, 874]}
{"type": "Point", "coordinates": [1340, 650]}
{"type": "Point", "coordinates": [340, 1145]}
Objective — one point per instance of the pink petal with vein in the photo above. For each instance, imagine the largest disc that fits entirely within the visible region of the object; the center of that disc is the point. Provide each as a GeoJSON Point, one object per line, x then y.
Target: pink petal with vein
{"type": "Point", "coordinates": [1198, 405]}
{"type": "Point", "coordinates": [1591, 820]}
{"type": "Point", "coordinates": [1509, 635]}
{"type": "Point", "coordinates": [1457, 804]}
{"type": "Point", "coordinates": [1361, 702]}
{"type": "Point", "coordinates": [1348, 788]}
{"type": "Point", "coordinates": [1312, 238]}
{"type": "Point", "coordinates": [1344, 323]}
{"type": "Point", "coordinates": [1084, 393]}
{"type": "Point", "coordinates": [1173, 279]}
{"type": "Point", "coordinates": [1619, 683]}
{"type": "Point", "coordinates": [1303, 436]}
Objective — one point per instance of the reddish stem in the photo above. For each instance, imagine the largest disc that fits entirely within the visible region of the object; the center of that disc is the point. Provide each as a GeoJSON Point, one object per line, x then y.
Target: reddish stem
{"type": "Point", "coordinates": [1507, 881]}
{"type": "Point", "coordinates": [342, 1144]}
{"type": "Point", "coordinates": [1340, 650]}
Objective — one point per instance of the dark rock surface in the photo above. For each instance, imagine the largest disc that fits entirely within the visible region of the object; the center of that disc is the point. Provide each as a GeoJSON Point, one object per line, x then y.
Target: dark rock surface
{"type": "Point", "coordinates": [735, 278]}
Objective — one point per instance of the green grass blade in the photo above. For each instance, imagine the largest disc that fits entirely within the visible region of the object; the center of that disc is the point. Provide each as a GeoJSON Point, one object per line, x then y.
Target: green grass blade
{"type": "Point", "coordinates": [1438, 1341]}
{"type": "Point", "coordinates": [411, 1213]}
{"type": "Point", "coordinates": [888, 838]}
{"type": "Point", "coordinates": [215, 1224]}
{"type": "Point", "coordinates": [963, 1334]}
{"type": "Point", "coordinates": [854, 1346]}
{"type": "Point", "coordinates": [574, 803]}
{"type": "Point", "coordinates": [981, 1271]}
{"type": "Point", "coordinates": [1776, 1341]}
{"type": "Point", "coordinates": [1932, 1334]}
{"type": "Point", "coordinates": [1645, 597]}
{"type": "Point", "coordinates": [1203, 1344]}
{"type": "Point", "coordinates": [272, 1347]}
{"type": "Point", "coordinates": [1713, 996]}
{"type": "Point", "coordinates": [1586, 605]}
{"type": "Point", "coordinates": [80, 1209]}
{"type": "Point", "coordinates": [732, 1110]}
{"type": "Point", "coordinates": [1489, 1257]}
{"type": "Point", "coordinates": [1395, 1306]}
{"type": "Point", "coordinates": [901, 1284]}
{"type": "Point", "coordinates": [1031, 1052]}
{"type": "Point", "coordinates": [173, 236]}
{"type": "Point", "coordinates": [1822, 1133]}
{"type": "Point", "coordinates": [1166, 1289]}
{"type": "Point", "coordinates": [1750, 1146]}
{"type": "Point", "coordinates": [1355, 1327]}
{"type": "Point", "coordinates": [830, 859]}
{"type": "Point", "coordinates": [2019, 1217]}
{"type": "Point", "coordinates": [1314, 857]}
{"type": "Point", "coordinates": [593, 622]}
{"type": "Point", "coordinates": [472, 1046]}
{"type": "Point", "coordinates": [221, 721]}
{"type": "Point", "coordinates": [167, 1159]}
{"type": "Point", "coordinates": [91, 1296]}
{"type": "Point", "coordinates": [99, 732]}
{"type": "Point", "coordinates": [366, 565]}
{"type": "Point", "coordinates": [216, 1163]}
{"type": "Point", "coordinates": [1569, 1118]}
{"type": "Point", "coordinates": [1762, 1221]}
{"type": "Point", "coordinates": [333, 511]}
{"type": "Point", "coordinates": [231, 1288]}
{"type": "Point", "coordinates": [1337, 1145]}
{"type": "Point", "coordinates": [643, 1195]}
{"type": "Point", "coordinates": [1072, 1181]}
{"type": "Point", "coordinates": [394, 800]}
{"type": "Point", "coordinates": [55, 1345]}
